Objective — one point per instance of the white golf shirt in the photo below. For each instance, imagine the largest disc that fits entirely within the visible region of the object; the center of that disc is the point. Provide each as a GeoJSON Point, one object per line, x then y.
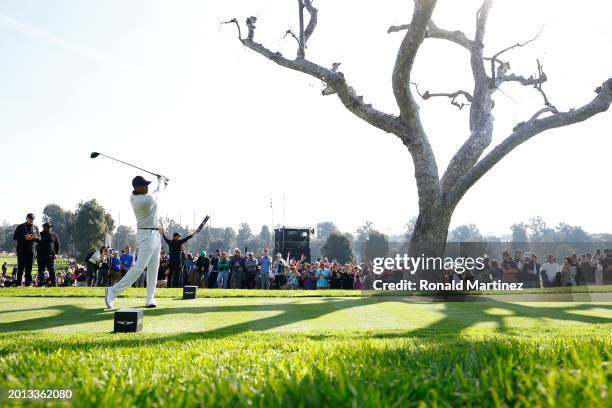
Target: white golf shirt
{"type": "Point", "coordinates": [145, 207]}
{"type": "Point", "coordinates": [551, 270]}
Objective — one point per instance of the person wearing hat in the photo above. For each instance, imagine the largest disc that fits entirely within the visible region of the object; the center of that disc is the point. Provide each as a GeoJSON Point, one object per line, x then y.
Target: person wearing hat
{"type": "Point", "coordinates": [236, 277]}
{"type": "Point", "coordinates": [175, 250]}
{"type": "Point", "coordinates": [46, 250]}
{"type": "Point", "coordinates": [250, 269]}
{"type": "Point", "coordinates": [26, 235]}
{"type": "Point", "coordinates": [202, 266]}
{"type": "Point", "coordinates": [145, 206]}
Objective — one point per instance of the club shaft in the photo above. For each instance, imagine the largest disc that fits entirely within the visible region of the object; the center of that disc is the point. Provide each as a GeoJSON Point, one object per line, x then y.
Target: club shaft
{"type": "Point", "coordinates": [131, 165]}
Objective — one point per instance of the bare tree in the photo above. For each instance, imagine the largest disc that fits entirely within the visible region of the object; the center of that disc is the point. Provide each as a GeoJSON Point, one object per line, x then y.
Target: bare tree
{"type": "Point", "coordinates": [438, 196]}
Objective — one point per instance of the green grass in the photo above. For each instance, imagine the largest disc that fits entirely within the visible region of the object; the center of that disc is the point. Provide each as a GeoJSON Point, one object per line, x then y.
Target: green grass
{"type": "Point", "coordinates": [475, 368]}
{"type": "Point", "coordinates": [310, 351]}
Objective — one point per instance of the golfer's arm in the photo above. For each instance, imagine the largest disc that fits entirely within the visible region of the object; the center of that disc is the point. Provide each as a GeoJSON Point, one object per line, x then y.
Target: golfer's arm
{"type": "Point", "coordinates": [161, 186]}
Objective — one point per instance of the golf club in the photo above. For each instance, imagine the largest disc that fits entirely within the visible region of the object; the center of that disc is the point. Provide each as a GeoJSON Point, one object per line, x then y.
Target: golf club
{"type": "Point", "coordinates": [93, 155]}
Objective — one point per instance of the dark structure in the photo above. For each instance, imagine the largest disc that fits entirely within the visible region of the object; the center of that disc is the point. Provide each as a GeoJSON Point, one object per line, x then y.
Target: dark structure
{"type": "Point", "coordinates": [293, 241]}
{"type": "Point", "coordinates": [128, 320]}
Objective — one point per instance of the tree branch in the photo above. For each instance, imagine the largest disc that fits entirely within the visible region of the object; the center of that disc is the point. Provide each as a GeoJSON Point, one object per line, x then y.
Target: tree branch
{"type": "Point", "coordinates": [312, 23]}
{"type": "Point", "coordinates": [406, 55]}
{"type": "Point", "coordinates": [496, 56]}
{"type": "Point", "coordinates": [433, 31]}
{"type": "Point", "coordinates": [453, 96]}
{"type": "Point", "coordinates": [525, 131]}
{"type": "Point", "coordinates": [335, 79]}
{"type": "Point", "coordinates": [413, 135]}
{"type": "Point", "coordinates": [481, 118]}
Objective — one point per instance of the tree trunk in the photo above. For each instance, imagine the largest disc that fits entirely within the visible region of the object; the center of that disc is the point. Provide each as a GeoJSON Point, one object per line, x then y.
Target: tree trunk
{"type": "Point", "coordinates": [429, 238]}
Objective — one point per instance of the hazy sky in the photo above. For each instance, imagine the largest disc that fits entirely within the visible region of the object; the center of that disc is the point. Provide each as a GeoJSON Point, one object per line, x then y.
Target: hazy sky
{"type": "Point", "coordinates": [161, 84]}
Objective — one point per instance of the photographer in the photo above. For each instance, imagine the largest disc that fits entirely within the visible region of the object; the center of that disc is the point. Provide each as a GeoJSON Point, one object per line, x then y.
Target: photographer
{"type": "Point", "coordinates": [47, 250]}
{"type": "Point", "coordinates": [26, 235]}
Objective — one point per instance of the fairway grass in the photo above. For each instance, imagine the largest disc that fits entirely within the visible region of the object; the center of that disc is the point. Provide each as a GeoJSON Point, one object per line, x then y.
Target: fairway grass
{"type": "Point", "coordinates": [310, 351]}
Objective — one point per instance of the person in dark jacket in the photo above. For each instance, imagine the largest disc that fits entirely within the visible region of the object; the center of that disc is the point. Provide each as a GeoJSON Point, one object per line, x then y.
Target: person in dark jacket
{"type": "Point", "coordinates": [202, 265]}
{"type": "Point", "coordinates": [26, 235]}
{"type": "Point", "coordinates": [46, 250]}
{"type": "Point", "coordinates": [175, 249]}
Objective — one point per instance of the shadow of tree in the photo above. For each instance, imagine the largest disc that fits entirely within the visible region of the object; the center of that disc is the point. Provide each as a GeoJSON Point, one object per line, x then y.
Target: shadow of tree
{"type": "Point", "coordinates": [457, 316]}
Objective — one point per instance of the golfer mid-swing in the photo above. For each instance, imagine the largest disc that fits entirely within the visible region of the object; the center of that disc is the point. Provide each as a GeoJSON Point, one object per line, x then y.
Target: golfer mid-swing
{"type": "Point", "coordinates": [149, 242]}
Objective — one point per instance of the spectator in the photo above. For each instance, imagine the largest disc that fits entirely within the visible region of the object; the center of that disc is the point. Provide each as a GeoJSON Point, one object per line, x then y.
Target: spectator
{"type": "Point", "coordinates": [551, 272]}
{"type": "Point", "coordinates": [103, 273]}
{"type": "Point", "coordinates": [359, 283]}
{"type": "Point", "coordinates": [189, 268]}
{"type": "Point", "coordinates": [250, 269]}
{"type": "Point", "coordinates": [47, 250]}
{"type": "Point", "coordinates": [237, 276]}
{"type": "Point", "coordinates": [293, 278]}
{"type": "Point", "coordinates": [93, 262]}
{"type": "Point", "coordinates": [568, 272]}
{"type": "Point", "coordinates": [587, 269]}
{"type": "Point", "coordinates": [235, 261]}
{"type": "Point", "coordinates": [163, 272]}
{"type": "Point", "coordinates": [509, 268]}
{"type": "Point", "coordinates": [497, 273]}
{"type": "Point", "coordinates": [265, 264]}
{"type": "Point", "coordinates": [82, 276]}
{"type": "Point", "coordinates": [277, 273]}
{"type": "Point", "coordinates": [115, 269]}
{"type": "Point", "coordinates": [530, 272]}
{"type": "Point", "coordinates": [26, 235]}
{"type": "Point", "coordinates": [202, 266]}
{"type": "Point", "coordinates": [4, 269]}
{"type": "Point", "coordinates": [126, 260]}
{"type": "Point", "coordinates": [175, 249]}
{"type": "Point", "coordinates": [223, 267]}
{"type": "Point", "coordinates": [606, 267]}
{"type": "Point", "coordinates": [309, 276]}
{"type": "Point", "coordinates": [323, 275]}
{"type": "Point", "coordinates": [214, 269]}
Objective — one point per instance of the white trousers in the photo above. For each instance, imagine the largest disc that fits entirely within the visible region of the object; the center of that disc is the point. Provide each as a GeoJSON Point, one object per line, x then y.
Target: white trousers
{"type": "Point", "coordinates": [149, 248]}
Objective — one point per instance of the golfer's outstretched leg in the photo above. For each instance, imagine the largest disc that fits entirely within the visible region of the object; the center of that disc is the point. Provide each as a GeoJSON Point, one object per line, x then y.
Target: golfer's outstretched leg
{"type": "Point", "coordinates": [149, 247]}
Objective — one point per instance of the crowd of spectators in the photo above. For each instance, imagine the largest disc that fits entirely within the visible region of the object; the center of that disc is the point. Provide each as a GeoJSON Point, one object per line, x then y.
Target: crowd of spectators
{"type": "Point", "coordinates": [524, 267]}
{"type": "Point", "coordinates": [234, 270]}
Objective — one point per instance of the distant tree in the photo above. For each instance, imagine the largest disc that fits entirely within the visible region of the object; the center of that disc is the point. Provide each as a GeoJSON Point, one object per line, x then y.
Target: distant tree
{"type": "Point", "coordinates": [361, 237]}
{"type": "Point", "coordinates": [376, 245]}
{"type": "Point", "coordinates": [92, 225]}
{"type": "Point", "coordinates": [6, 237]}
{"type": "Point", "coordinates": [539, 230]}
{"type": "Point", "coordinates": [63, 224]}
{"type": "Point", "coordinates": [123, 237]}
{"type": "Point", "coordinates": [217, 244]}
{"type": "Point", "coordinates": [265, 236]}
{"type": "Point", "coordinates": [465, 233]}
{"type": "Point", "coordinates": [519, 232]}
{"type": "Point", "coordinates": [244, 234]}
{"type": "Point", "coordinates": [568, 233]}
{"type": "Point", "coordinates": [338, 246]}
{"type": "Point", "coordinates": [324, 229]}
{"type": "Point", "coordinates": [229, 237]}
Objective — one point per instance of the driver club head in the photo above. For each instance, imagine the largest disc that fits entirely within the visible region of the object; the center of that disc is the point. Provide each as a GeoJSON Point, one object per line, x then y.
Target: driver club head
{"type": "Point", "coordinates": [93, 155]}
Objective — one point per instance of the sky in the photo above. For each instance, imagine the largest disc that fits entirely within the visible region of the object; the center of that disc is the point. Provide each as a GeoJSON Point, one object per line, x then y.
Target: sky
{"type": "Point", "coordinates": [165, 86]}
